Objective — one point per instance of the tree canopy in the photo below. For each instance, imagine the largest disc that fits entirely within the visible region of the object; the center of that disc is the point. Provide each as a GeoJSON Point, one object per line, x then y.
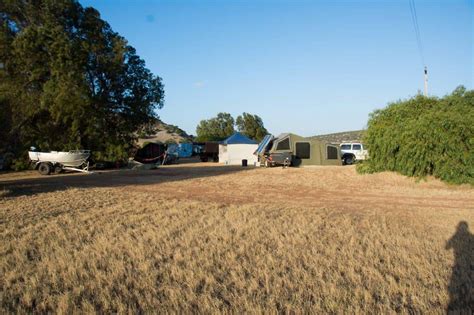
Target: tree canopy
{"type": "Point", "coordinates": [223, 126]}
{"type": "Point", "coordinates": [424, 136]}
{"type": "Point", "coordinates": [69, 81]}
{"type": "Point", "coordinates": [215, 129]}
{"type": "Point", "coordinates": [251, 126]}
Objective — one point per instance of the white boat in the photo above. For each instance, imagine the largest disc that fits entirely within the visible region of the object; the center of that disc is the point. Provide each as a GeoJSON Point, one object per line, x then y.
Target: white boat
{"type": "Point", "coordinates": [45, 162]}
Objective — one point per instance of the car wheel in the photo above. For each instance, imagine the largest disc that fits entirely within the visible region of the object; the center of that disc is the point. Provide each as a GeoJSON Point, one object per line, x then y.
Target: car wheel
{"type": "Point", "coordinates": [349, 160]}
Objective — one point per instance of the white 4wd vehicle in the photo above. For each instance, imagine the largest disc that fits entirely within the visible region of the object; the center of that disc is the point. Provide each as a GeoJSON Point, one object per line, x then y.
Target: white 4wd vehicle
{"type": "Point", "coordinates": [353, 151]}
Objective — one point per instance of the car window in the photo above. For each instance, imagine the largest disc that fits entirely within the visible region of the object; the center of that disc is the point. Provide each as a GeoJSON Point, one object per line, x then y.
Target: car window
{"type": "Point", "coordinates": [356, 147]}
{"type": "Point", "coordinates": [345, 147]}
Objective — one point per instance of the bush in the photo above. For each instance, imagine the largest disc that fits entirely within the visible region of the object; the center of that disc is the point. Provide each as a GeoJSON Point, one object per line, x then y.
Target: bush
{"type": "Point", "coordinates": [21, 164]}
{"type": "Point", "coordinates": [113, 153]}
{"type": "Point", "coordinates": [424, 136]}
{"type": "Point", "coordinates": [363, 167]}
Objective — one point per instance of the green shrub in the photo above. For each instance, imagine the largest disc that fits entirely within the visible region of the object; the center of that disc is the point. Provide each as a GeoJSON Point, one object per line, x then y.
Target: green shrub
{"type": "Point", "coordinates": [113, 153]}
{"type": "Point", "coordinates": [364, 167]}
{"type": "Point", "coordinates": [20, 164]}
{"type": "Point", "coordinates": [424, 136]}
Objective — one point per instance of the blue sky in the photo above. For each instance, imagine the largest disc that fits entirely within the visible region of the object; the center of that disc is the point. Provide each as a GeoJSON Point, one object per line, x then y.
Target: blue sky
{"type": "Point", "coordinates": [308, 67]}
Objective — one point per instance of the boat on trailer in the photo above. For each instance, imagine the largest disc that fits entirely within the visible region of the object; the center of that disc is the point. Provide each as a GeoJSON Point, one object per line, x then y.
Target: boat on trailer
{"type": "Point", "coordinates": [57, 161]}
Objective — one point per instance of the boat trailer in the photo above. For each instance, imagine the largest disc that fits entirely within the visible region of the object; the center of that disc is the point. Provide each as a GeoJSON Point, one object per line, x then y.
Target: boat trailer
{"type": "Point", "coordinates": [56, 162]}
{"type": "Point", "coordinates": [46, 168]}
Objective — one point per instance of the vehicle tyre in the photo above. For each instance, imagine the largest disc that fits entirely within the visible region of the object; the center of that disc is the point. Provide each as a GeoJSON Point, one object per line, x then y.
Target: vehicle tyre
{"type": "Point", "coordinates": [349, 160]}
{"type": "Point", "coordinates": [44, 168]}
{"type": "Point", "coordinates": [58, 169]}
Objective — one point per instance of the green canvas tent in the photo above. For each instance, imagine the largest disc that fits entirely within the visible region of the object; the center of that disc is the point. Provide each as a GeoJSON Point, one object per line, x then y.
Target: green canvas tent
{"type": "Point", "coordinates": [307, 151]}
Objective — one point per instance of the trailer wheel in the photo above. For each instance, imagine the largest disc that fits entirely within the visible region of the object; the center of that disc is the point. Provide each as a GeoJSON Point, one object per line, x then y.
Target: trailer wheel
{"type": "Point", "coordinates": [44, 168]}
{"type": "Point", "coordinates": [58, 169]}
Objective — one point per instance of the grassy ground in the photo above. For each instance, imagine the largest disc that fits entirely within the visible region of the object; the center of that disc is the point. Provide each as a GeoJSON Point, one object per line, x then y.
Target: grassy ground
{"type": "Point", "coordinates": [208, 238]}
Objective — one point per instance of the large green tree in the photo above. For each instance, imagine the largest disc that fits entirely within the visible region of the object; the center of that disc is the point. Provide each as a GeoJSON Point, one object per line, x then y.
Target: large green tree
{"type": "Point", "coordinates": [223, 125]}
{"type": "Point", "coordinates": [251, 126]}
{"type": "Point", "coordinates": [215, 129]}
{"type": "Point", "coordinates": [69, 81]}
{"type": "Point", "coordinates": [424, 136]}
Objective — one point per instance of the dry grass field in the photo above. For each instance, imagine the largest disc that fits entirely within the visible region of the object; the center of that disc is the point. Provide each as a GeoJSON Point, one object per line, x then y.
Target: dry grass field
{"type": "Point", "coordinates": [207, 238]}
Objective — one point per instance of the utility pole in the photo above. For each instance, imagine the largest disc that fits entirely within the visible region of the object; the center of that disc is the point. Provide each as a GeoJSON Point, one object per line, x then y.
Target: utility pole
{"type": "Point", "coordinates": [426, 82]}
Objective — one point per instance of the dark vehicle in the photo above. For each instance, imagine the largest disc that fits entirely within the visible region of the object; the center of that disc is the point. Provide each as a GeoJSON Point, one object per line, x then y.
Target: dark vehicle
{"type": "Point", "coordinates": [278, 158]}
{"type": "Point", "coordinates": [270, 159]}
{"type": "Point", "coordinates": [210, 151]}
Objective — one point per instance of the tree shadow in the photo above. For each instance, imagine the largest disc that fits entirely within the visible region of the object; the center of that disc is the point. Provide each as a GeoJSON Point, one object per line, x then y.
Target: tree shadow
{"type": "Point", "coordinates": [461, 286]}
{"type": "Point", "coordinates": [116, 178]}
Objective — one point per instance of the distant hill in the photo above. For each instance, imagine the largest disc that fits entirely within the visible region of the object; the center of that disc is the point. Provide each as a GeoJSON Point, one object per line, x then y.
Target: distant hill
{"type": "Point", "coordinates": [161, 132]}
{"type": "Point", "coordinates": [339, 137]}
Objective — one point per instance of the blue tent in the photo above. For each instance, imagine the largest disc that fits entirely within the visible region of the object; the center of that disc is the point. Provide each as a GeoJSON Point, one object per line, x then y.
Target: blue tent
{"type": "Point", "coordinates": [183, 150]}
{"type": "Point", "coordinates": [238, 138]}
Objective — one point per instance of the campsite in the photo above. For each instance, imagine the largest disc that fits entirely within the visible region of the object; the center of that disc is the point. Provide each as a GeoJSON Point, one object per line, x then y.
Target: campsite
{"type": "Point", "coordinates": [236, 157]}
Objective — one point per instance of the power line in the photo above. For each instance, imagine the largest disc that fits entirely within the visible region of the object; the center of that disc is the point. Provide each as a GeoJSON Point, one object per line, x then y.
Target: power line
{"type": "Point", "coordinates": [414, 18]}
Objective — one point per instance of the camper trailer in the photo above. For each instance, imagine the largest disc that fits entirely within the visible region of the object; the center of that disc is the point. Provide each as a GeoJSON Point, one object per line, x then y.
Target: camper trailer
{"type": "Point", "coordinates": [291, 149]}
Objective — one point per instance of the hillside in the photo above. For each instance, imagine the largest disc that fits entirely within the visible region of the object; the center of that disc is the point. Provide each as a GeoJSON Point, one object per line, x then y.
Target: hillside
{"type": "Point", "coordinates": [162, 132]}
{"type": "Point", "coordinates": [339, 137]}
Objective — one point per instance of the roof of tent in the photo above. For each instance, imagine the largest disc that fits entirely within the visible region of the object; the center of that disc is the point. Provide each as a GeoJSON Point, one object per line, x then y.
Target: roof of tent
{"type": "Point", "coordinates": [238, 138]}
{"type": "Point", "coordinates": [295, 137]}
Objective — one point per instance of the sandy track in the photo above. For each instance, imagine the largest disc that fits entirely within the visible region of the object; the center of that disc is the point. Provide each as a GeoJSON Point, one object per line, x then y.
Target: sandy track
{"type": "Point", "coordinates": [332, 187]}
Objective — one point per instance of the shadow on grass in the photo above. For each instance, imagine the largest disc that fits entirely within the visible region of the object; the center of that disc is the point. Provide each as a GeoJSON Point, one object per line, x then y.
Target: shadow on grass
{"type": "Point", "coordinates": [117, 178]}
{"type": "Point", "coordinates": [461, 286]}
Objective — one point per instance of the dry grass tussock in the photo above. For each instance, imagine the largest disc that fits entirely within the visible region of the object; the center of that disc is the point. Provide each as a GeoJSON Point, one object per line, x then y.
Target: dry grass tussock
{"type": "Point", "coordinates": [314, 239]}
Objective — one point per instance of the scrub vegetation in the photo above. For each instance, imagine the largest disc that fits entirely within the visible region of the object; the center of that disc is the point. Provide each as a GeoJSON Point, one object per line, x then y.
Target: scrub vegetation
{"type": "Point", "coordinates": [424, 136]}
{"type": "Point", "coordinates": [212, 239]}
